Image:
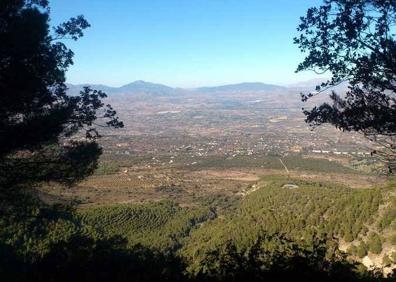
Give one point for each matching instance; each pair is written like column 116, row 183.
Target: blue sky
column 185, row 43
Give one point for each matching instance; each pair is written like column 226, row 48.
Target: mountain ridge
column 244, row 86
column 140, row 87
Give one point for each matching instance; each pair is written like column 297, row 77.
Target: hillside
column 303, row 211
column 285, row 216
column 133, row 88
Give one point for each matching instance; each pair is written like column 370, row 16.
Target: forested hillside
column 304, row 212
column 281, row 220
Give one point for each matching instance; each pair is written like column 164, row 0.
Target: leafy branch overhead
column 354, row 42
column 36, row 114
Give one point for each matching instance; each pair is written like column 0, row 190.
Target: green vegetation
column 30, row 227
column 105, row 168
column 361, row 250
column 334, row 37
column 375, row 244
column 219, row 202
column 288, row 230
column 314, row 210
column 293, row 162
column 161, row 225
column 270, row 230
column 389, row 217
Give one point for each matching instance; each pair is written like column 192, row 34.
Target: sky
column 185, row 43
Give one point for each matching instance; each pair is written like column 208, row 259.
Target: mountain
column 137, row 87
column 310, row 86
column 307, row 84
column 74, row 89
column 242, row 87
column 143, row 87
column 148, row 88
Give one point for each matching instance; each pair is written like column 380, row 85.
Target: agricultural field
column 211, row 177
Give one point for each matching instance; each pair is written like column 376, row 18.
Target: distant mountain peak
column 140, row 82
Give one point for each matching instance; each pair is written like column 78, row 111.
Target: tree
column 375, row 244
column 361, row 250
column 45, row 134
column 348, row 237
column 354, row 42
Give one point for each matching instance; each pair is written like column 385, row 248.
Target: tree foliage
column 39, row 122
column 375, row 244
column 354, row 42
column 275, row 234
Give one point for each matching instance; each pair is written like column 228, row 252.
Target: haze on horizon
column 186, row 43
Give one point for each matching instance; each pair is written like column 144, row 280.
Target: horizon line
column 202, row 86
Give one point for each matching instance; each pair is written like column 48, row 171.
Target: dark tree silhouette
column 44, row 133
column 354, row 41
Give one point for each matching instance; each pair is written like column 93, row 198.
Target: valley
column 204, row 176
column 213, row 160
column 259, row 143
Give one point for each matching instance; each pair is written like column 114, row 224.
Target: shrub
column 375, row 244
